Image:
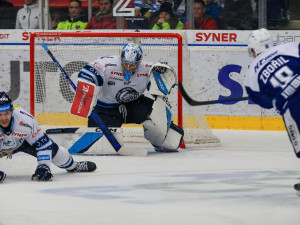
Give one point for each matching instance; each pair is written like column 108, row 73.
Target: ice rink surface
column 247, row 180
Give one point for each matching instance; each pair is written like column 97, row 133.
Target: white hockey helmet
column 131, row 54
column 259, row 40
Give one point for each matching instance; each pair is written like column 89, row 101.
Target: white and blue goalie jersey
column 274, row 77
column 107, row 72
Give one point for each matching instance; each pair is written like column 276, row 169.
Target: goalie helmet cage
column 51, row 95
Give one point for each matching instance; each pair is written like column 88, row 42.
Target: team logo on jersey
column 24, row 124
column 26, row 114
column 33, row 136
column 16, row 134
column 142, row 75
column 6, row 143
column 111, row 83
column 110, row 64
column 96, row 65
column 117, row 73
column 127, row 82
column 115, row 78
column 127, row 94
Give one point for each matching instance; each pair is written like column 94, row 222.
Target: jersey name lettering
column 273, row 65
column 291, row 88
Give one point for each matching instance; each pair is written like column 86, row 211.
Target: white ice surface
column 247, row 180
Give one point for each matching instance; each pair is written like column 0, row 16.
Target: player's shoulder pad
column 22, row 113
column 91, row 74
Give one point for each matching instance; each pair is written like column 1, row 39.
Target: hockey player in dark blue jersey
column 273, row 80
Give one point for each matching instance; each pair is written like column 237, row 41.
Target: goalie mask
column 131, row 56
column 259, row 41
column 5, row 102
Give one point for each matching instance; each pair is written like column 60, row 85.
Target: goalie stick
column 193, row 102
column 113, row 141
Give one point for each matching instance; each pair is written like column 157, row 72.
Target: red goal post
column 73, row 50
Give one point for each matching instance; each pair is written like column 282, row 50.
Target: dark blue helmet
column 5, row 102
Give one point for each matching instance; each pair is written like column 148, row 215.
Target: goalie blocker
column 84, row 100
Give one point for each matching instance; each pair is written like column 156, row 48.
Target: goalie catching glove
column 163, row 78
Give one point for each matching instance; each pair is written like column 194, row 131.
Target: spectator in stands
column 55, row 19
column 202, row 20
column 253, row 5
column 220, row 3
column 5, row 4
column 212, row 9
column 148, row 7
column 105, row 19
column 75, row 21
column 28, row 17
column 165, row 19
column 7, row 15
column 236, row 15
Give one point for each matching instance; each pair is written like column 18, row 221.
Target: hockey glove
column 42, row 173
column 2, row 176
column 163, row 78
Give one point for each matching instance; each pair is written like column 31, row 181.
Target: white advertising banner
column 218, row 61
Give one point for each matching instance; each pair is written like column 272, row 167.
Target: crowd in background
column 148, row 14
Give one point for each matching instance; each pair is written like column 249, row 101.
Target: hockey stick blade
column 193, row 102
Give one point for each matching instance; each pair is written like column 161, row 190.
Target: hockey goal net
column 52, row 95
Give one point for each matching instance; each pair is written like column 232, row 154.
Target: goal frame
column 51, row 35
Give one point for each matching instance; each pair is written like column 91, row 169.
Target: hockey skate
column 85, row 166
column 297, row 188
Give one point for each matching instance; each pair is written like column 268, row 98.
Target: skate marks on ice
column 192, row 187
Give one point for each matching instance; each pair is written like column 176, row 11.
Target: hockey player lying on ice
column 273, row 80
column 122, row 81
column 20, row 132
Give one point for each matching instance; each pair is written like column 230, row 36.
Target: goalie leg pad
column 159, row 128
column 81, row 140
column 84, row 100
